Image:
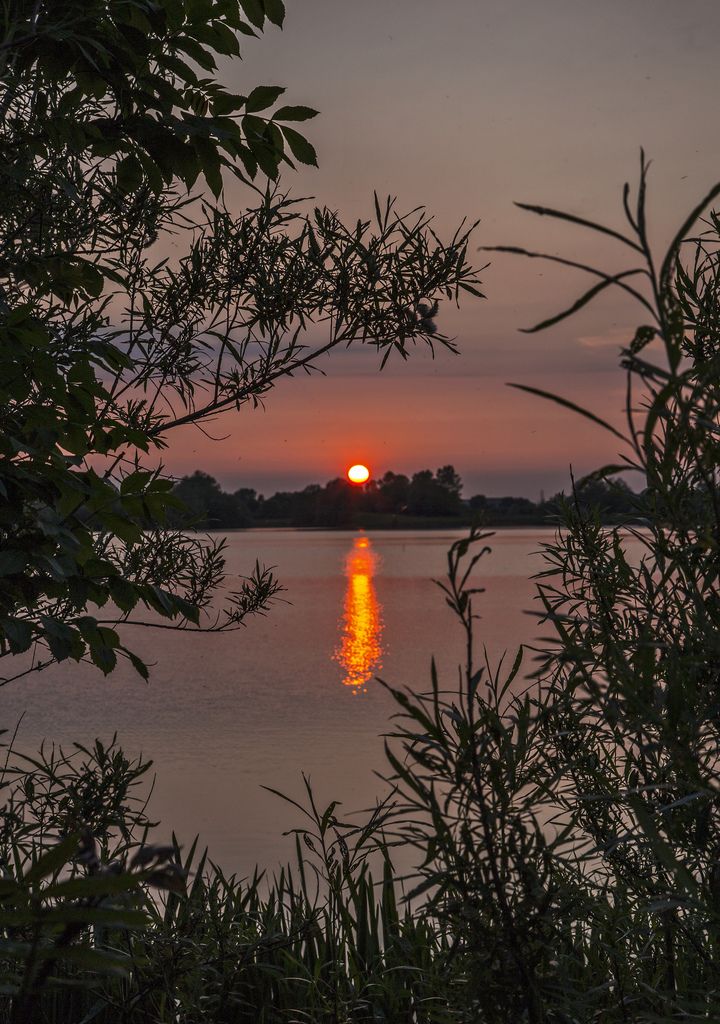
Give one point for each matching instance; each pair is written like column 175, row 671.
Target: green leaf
column 123, row 593
column 262, row 97
column 294, row 114
column 275, row 11
column 94, row 885
column 108, row 917
column 129, row 174
column 161, row 601
column 199, row 10
column 135, row 482
column 138, row 664
column 254, row 12
column 227, row 103
column 12, row 562
column 301, row 149
column 103, row 643
column 63, row 641
column 566, row 404
column 248, row 161
column 196, row 52
column 220, row 37
column 123, row 528
column 545, row 211
column 263, row 144
column 89, row 957
column 190, row 611
column 18, row 632
column 584, row 299
column 51, row 861
column 104, row 657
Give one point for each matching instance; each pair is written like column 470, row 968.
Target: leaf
column 108, row 917
column 612, row 469
column 294, row 114
column 301, row 149
column 262, row 97
column 227, row 103
column 123, row 593
column 224, row 40
column 515, row 250
column 138, row 664
column 267, row 158
column 473, row 291
column 199, row 10
column 588, row 296
column 129, row 174
column 89, row 957
column 51, row 861
column 135, row 482
column 12, row 562
column 661, row 847
column 213, row 176
column 63, row 640
column 275, row 11
column 93, row 885
column 18, row 632
column 254, row 12
column 248, row 161
column 671, row 255
column 569, row 405
column 545, row 211
column 103, row 656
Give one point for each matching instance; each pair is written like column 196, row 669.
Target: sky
column 464, row 107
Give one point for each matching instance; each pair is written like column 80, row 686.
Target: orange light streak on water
column 360, row 647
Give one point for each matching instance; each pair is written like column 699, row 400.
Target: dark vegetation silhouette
column 132, row 305
column 424, row 500
column 566, row 824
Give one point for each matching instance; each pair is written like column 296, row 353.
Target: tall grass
column 566, row 823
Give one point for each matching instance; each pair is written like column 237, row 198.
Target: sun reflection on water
column 360, row 648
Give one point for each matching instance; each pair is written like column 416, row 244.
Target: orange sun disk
column 358, row 474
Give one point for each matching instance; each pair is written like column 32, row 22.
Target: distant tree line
column 425, row 498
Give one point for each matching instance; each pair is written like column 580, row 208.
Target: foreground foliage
column 570, row 834
column 100, row 924
column 567, row 827
column 131, row 306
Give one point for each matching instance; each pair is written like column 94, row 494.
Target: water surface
column 293, row 691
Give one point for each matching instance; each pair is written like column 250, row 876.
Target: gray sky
column 464, row 107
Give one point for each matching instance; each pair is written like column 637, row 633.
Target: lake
column 294, row 691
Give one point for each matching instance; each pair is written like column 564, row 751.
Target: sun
column 358, row 474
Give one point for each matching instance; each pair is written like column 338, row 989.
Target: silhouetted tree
column 249, row 502
column 207, row 506
column 393, row 493
column 449, row 479
column 431, row 496
column 338, row 504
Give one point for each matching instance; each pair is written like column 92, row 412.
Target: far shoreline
column 407, row 525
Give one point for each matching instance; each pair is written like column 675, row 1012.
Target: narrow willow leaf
column 545, row 211
column 588, row 296
column 570, row 405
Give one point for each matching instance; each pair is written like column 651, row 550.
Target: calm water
column 292, row 692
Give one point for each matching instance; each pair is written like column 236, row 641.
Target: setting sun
column 358, row 474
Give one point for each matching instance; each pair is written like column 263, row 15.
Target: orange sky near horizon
column 465, row 107
column 489, row 434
